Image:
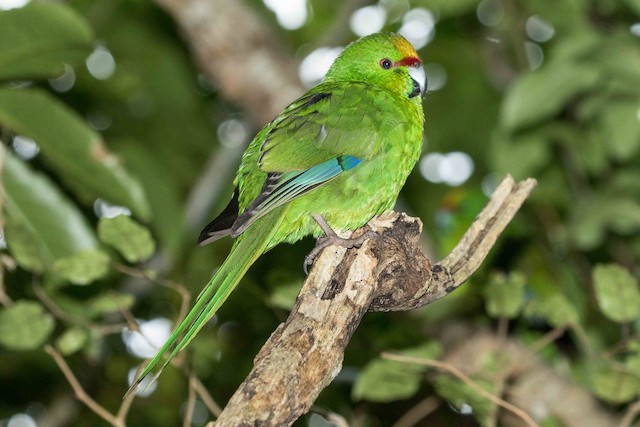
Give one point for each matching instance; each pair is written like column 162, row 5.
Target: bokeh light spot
column 99, row 120
column 368, row 20
column 12, row 4
column 490, row 12
column 233, row 133
column 436, row 76
column 291, row 14
column 25, row 148
column 65, row 82
column 452, row 169
column 534, row 53
column 538, row 29
column 418, row 27
column 100, row 63
column 104, row 209
column 151, row 336
column 490, row 182
column 146, row 386
column 314, row 67
column 21, row 420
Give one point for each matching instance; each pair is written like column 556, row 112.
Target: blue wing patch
column 282, row 188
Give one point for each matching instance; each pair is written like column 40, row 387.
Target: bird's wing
column 335, row 119
column 323, row 134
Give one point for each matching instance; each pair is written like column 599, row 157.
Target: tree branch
column 305, row 353
column 240, row 53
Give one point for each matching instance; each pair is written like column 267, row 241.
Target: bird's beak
column 419, row 78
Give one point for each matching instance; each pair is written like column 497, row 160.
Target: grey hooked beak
column 419, row 78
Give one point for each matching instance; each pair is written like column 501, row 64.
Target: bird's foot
column 331, row 238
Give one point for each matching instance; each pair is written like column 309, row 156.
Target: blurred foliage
column 81, row 147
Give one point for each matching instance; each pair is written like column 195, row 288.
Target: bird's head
column 383, row 59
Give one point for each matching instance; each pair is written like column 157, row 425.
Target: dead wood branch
column 305, row 353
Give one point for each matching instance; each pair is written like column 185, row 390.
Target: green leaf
column 632, row 360
column 619, row 58
column 131, row 239
column 384, row 380
column 25, row 326
column 82, row 268
column 620, row 124
column 545, row 92
column 71, row 148
column 603, row 211
column 42, row 225
column 522, row 155
column 587, row 147
column 37, row 39
column 162, row 191
column 108, row 303
column 556, row 309
column 505, row 295
column 600, row 212
column 387, row 380
column 72, row 340
column 458, row 394
column 617, row 292
column 615, row 384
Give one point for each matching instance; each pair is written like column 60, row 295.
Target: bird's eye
column 385, row 63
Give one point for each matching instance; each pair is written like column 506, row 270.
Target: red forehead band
column 410, row 61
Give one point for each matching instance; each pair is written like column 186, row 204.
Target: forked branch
column 305, row 353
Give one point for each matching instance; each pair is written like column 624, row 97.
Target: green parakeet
column 337, row 156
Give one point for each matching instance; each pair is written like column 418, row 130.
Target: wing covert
column 330, row 122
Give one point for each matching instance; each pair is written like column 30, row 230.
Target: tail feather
column 245, row 251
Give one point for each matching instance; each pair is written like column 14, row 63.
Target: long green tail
column 249, row 246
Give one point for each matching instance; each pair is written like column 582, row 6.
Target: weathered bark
column 387, row 273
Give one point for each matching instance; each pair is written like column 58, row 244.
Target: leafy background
column 112, row 134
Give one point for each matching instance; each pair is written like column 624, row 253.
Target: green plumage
column 342, row 151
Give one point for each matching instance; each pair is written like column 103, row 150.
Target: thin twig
column 419, row 412
column 632, row 412
column 208, row 401
column 538, row 345
column 191, row 402
column 79, row 391
column 619, row 346
column 60, row 314
column 154, row 278
column 503, row 328
column 547, row 339
column 124, row 407
column 132, row 323
column 502, row 360
column 468, row 381
column 583, row 339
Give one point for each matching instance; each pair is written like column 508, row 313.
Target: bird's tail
column 249, row 246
